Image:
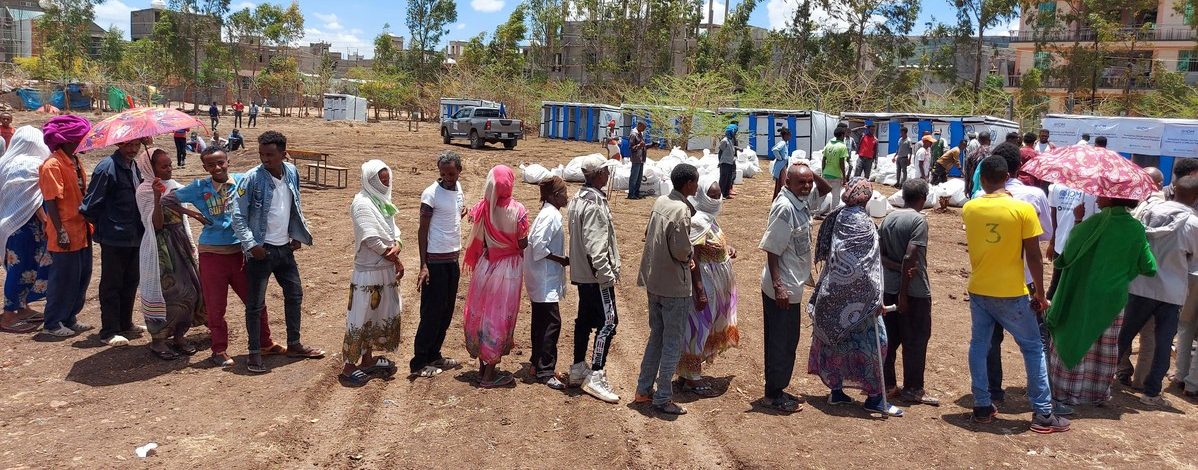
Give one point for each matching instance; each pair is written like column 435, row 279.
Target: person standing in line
column 268, row 219
column 214, row 115
column 787, row 244
column 1172, row 229
column 866, row 154
column 238, row 108
column 902, row 157
column 68, row 235
column 594, row 268
column 973, row 185
column 545, row 265
column 495, row 258
column 999, row 228
column 1100, row 141
column 372, row 320
column 169, row 283
column 1127, row 374
column 442, row 206
column 1043, row 145
column 781, row 156
column 253, row 122
column 711, row 330
column 180, row 137
column 637, row 146
column 836, row 157
column 727, row 158
column 6, row 129
column 1085, row 140
column 903, row 238
column 111, row 206
column 23, row 230
column 612, row 142
column 1062, row 201
column 1186, row 373
column 671, row 279
column 923, row 157
column 1103, row 255
column 221, row 261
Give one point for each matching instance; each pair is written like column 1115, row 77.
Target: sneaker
column 116, row 341
column 1061, row 409
column 80, row 327
column 1157, row 401
column 554, row 383
column 61, row 332
column 1048, row 424
column 984, row 414
column 596, row 385
column 136, row 330
column 578, row 374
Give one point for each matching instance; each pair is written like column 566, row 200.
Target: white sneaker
column 596, row 385
column 578, row 374
column 137, row 330
column 61, row 332
column 116, row 341
column 80, row 327
column 1157, row 401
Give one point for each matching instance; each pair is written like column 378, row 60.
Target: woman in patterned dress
column 22, row 232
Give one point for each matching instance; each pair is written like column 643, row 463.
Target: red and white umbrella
column 1093, row 170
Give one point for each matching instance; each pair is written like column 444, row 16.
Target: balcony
column 1171, row 33
column 1113, row 79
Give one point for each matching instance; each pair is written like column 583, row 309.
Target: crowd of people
column 1120, row 268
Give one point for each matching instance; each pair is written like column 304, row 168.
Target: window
column 1043, row 60
column 1048, row 12
column 486, row 113
column 1189, row 13
column 1187, row 62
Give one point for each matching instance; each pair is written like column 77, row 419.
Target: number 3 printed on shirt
column 994, row 236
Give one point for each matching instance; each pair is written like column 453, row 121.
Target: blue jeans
column 1139, row 310
column 67, row 287
column 280, row 261
column 667, row 331
column 1016, row 316
column 634, row 180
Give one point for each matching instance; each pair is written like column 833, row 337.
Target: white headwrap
column 370, row 204
column 20, row 195
column 706, row 208
column 153, row 306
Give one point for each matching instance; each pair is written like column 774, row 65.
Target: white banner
column 1064, row 132
column 1139, row 136
column 1180, row 140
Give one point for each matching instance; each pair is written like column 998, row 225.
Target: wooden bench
column 318, row 174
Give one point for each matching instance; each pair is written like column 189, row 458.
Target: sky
column 351, row 25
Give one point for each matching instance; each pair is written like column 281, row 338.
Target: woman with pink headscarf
column 496, row 256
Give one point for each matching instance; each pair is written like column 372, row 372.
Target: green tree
column 475, row 55
column 199, row 23
column 976, row 16
column 504, row 49
column 546, row 18
column 386, row 56
column 1031, row 102
column 66, row 27
column 112, row 51
column 428, row 21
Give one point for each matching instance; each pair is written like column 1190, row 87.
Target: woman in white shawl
column 170, row 285
column 22, row 232
column 372, row 321
column 712, row 330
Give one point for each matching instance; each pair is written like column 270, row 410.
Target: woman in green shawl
column 1102, row 256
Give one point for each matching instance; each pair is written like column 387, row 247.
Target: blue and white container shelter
column 1147, row 141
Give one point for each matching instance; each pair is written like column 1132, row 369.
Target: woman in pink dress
column 495, row 255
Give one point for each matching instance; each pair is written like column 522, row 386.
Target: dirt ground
column 77, row 403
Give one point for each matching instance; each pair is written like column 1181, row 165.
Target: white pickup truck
column 482, row 126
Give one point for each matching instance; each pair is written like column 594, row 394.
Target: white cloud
column 717, row 11
column 342, row 40
column 113, row 13
column 460, row 26
column 330, row 21
column 242, row 5
column 1005, row 28
column 487, row 6
column 781, row 14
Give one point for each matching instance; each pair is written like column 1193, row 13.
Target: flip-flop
column 446, row 363
column 357, row 378
column 21, row 327
column 428, row 372
column 274, row 350
column 186, row 348
column 382, row 366
column 503, row 380
column 166, row 355
column 305, row 352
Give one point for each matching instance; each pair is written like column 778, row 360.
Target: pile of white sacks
column 655, row 179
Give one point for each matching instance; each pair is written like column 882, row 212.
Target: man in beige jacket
column 594, row 268
column 674, row 287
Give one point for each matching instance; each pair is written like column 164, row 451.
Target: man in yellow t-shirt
column 1002, row 233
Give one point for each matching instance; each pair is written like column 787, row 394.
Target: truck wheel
column 509, row 144
column 444, row 135
column 475, row 142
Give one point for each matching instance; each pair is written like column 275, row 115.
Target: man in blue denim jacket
column 269, row 223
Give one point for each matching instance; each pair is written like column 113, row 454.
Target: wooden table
column 318, row 168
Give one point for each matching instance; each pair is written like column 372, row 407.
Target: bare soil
column 77, row 403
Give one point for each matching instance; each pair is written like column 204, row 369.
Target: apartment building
column 18, row 30
column 1157, row 37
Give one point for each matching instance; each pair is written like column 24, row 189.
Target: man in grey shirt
column 636, row 144
column 787, row 243
column 902, row 157
column 904, row 243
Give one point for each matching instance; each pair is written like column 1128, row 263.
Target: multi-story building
column 1157, row 37
column 996, row 56
column 18, row 30
column 454, row 50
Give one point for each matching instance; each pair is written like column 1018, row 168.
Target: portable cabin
column 450, row 106
column 886, row 128
column 809, row 130
column 579, row 121
column 338, row 107
column 1146, row 141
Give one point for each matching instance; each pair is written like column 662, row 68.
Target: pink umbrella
column 1093, row 170
column 137, row 123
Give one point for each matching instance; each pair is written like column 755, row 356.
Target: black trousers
column 939, row 174
column 119, row 276
column 280, row 262
column 865, row 167
column 438, row 300
column 253, row 120
column 236, row 119
column 1052, row 285
column 900, row 170
column 911, row 330
column 727, row 176
column 546, row 328
column 596, row 311
column 781, row 343
column 180, row 150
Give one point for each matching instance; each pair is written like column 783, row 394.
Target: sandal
column 357, row 378
column 185, row 348
column 274, row 350
column 21, row 326
column 221, row 360
column 670, row 408
column 427, row 372
column 166, row 354
column 382, row 366
column 446, row 363
column 256, row 368
column 787, row 403
column 502, row 379
column 702, row 389
column 304, row 352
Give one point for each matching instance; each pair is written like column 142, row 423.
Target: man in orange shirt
column 68, row 236
column 6, row 129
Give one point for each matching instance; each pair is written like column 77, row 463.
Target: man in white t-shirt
column 1063, row 200
column 545, row 265
column 442, row 206
column 923, row 157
